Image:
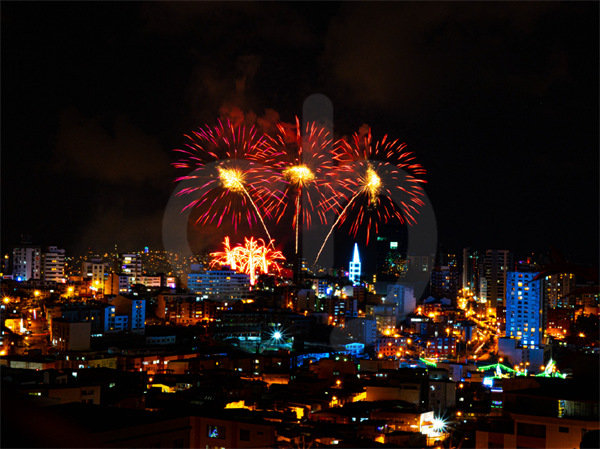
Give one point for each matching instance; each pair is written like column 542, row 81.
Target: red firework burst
column 224, row 159
column 381, row 181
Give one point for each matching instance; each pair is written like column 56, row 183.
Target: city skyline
column 300, row 224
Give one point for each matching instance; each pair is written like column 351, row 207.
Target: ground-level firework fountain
column 252, row 258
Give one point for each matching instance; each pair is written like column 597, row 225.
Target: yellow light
column 581, row 334
column 338, row 382
column 232, row 179
column 299, row 174
column 372, row 184
column 37, row 293
column 6, row 299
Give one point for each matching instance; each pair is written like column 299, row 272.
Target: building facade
column 27, row 263
column 130, row 264
column 404, row 297
column 496, row 265
column 96, row 271
column 220, row 285
column 445, row 282
column 472, row 266
column 53, row 264
column 524, row 309
column 557, row 287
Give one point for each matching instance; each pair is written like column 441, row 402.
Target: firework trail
column 251, row 258
column 224, row 159
column 301, row 172
column 372, row 175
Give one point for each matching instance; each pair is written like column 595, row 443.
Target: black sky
column 499, row 101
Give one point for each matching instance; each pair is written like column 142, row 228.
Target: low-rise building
column 71, row 336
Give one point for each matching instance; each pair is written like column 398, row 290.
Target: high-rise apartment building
column 556, row 290
column 53, row 264
column 524, row 308
column 496, row 265
column 472, row 268
column 354, row 271
column 445, row 282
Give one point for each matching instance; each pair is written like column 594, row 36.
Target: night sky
column 498, row 100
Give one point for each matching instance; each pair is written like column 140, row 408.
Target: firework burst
column 252, row 258
column 381, row 182
column 300, row 176
column 224, row 160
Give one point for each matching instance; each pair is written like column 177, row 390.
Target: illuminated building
column 134, row 309
column 445, row 282
column 560, row 321
column 440, row 347
column 53, row 264
column 472, row 268
column 221, row 285
column 130, row 264
column 524, row 309
column 557, row 286
column 26, row 261
column 354, row 271
column 185, row 309
column 96, row 271
column 150, row 281
column 117, row 283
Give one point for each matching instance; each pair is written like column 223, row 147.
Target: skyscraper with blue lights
column 524, row 314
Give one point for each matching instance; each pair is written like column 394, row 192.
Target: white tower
column 355, row 267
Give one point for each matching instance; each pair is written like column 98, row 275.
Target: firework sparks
column 372, row 185
column 232, row 179
column 224, row 161
column 301, row 173
column 381, row 182
column 252, row 258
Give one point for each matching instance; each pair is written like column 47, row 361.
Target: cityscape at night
column 300, row 225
